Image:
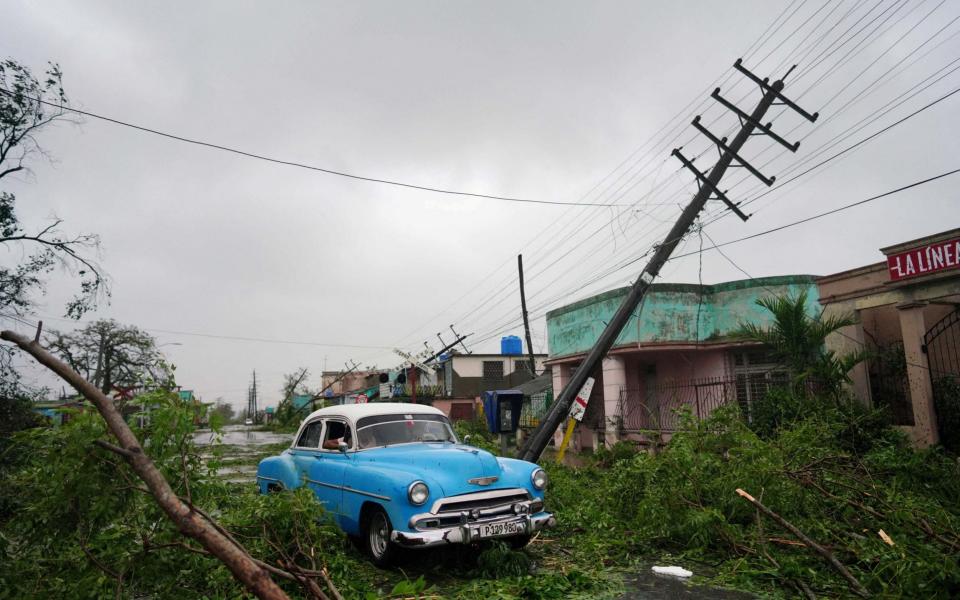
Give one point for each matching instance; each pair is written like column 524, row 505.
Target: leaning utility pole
column 252, row 398
column 535, row 444
column 526, row 319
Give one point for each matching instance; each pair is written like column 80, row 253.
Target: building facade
column 676, row 351
column 462, row 379
column 907, row 309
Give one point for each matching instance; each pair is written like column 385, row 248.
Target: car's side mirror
column 343, row 447
column 466, row 439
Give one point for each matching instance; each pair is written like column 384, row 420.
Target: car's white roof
column 357, row 411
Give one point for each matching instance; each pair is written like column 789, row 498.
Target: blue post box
column 502, row 408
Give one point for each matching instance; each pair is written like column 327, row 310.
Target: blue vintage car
column 395, row 475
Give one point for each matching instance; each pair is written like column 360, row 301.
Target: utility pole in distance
column 536, row 443
column 526, row 320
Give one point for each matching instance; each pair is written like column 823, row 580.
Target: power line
column 773, row 293
column 290, row 163
column 675, row 123
column 220, row 337
column 745, row 238
column 826, row 213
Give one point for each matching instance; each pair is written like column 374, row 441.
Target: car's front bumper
column 468, row 532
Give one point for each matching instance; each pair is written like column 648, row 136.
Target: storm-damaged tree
column 27, row 106
column 294, row 384
column 112, row 356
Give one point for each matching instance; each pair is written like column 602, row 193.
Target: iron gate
column 942, row 346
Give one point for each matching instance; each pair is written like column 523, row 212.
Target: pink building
column 676, row 353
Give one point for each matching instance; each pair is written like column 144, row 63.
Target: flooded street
column 242, row 435
column 241, row 447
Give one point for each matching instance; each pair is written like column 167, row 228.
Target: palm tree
column 797, row 341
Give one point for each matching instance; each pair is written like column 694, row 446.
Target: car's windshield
column 386, row 430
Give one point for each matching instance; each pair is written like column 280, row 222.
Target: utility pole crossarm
column 535, row 444
column 767, row 88
column 703, row 180
column 745, row 118
column 722, row 144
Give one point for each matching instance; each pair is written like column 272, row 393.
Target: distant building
column 462, row 379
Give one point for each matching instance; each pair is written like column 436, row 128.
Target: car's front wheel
column 376, row 538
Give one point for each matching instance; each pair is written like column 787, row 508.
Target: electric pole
column 252, row 398
column 708, row 184
column 526, row 320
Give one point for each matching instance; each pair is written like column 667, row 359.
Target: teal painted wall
column 669, row 312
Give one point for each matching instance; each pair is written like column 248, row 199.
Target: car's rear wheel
column 376, row 538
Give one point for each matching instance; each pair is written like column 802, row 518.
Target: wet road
column 242, row 448
column 242, row 435
column 647, row 585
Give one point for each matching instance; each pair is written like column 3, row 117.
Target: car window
column 386, row 430
column 310, row 438
column 336, row 432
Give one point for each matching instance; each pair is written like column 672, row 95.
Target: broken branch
column 826, row 554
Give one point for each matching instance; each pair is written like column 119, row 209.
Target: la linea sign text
column 924, row 260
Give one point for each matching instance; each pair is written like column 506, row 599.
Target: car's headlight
column 539, row 479
column 418, row 492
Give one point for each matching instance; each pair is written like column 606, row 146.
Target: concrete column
column 614, row 381
column 860, row 374
column 561, row 375
column 912, row 327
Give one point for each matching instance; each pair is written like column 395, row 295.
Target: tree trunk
column 189, row 522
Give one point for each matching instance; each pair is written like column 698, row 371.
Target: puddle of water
column 647, row 585
column 241, row 435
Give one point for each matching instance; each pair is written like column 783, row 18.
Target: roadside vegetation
column 849, row 509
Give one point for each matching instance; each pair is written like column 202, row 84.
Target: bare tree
column 110, row 355
column 27, row 106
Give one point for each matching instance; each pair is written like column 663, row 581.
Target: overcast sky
column 521, row 99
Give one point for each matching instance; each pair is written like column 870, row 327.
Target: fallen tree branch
column 187, row 521
column 826, row 554
column 121, row 451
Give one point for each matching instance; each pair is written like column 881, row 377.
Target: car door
column 305, row 451
column 327, row 471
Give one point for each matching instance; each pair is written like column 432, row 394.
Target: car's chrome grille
column 480, row 500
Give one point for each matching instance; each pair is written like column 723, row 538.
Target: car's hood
column 449, row 465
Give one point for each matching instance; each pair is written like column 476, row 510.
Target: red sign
column 924, row 260
column 362, row 399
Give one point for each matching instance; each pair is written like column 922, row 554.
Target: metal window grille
column 659, row 408
column 492, row 374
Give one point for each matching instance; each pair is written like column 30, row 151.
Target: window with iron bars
column 492, row 374
column 756, row 372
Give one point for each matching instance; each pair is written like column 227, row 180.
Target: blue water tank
column 511, row 345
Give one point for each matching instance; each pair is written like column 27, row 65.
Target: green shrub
column 947, row 395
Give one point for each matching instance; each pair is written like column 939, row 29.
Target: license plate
column 489, row 530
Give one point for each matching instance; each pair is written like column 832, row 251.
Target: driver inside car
column 336, row 433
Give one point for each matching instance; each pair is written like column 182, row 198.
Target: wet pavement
column 647, row 585
column 242, row 447
column 242, row 435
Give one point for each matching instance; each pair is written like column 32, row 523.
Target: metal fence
column 658, row 407
column 535, row 408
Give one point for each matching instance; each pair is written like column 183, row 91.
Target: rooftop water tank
column 511, row 345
